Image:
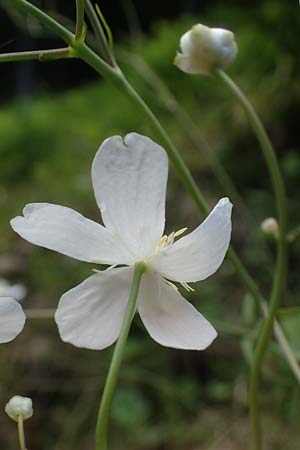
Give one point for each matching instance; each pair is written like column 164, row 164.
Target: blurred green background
column 167, row 399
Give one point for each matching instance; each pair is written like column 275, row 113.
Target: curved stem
column 113, row 373
column 266, row 147
column 281, row 264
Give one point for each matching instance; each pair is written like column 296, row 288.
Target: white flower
column 270, row 226
column 129, row 179
column 12, row 319
column 203, row 49
column 19, row 407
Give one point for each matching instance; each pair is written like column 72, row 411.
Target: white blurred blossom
column 19, row 407
column 202, row 49
column 270, row 226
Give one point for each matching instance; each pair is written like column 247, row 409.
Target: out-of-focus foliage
column 166, row 399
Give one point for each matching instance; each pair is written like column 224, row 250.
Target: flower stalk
column 114, row 370
column 281, row 264
column 101, row 40
column 21, row 433
column 80, row 27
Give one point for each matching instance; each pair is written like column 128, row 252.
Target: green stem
column 79, row 33
column 115, row 76
column 40, row 55
column 266, row 147
column 105, row 49
column 21, row 433
column 281, row 264
column 113, row 373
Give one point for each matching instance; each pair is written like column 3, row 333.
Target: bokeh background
column 53, row 117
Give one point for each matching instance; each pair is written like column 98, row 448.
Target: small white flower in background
column 19, row 407
column 17, row 291
column 203, row 49
column 12, row 319
column 270, row 226
column 129, row 179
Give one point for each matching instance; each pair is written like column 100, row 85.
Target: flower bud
column 270, row 226
column 203, row 48
column 19, row 406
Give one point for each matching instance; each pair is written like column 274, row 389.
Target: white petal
column 12, row 319
column 199, row 254
column 91, row 314
column 170, row 319
column 66, row 231
column 129, row 179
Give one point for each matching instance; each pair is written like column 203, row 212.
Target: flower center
column 167, row 240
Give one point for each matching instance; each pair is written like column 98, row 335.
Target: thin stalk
column 21, row 433
column 116, row 77
column 279, row 280
column 114, row 370
column 40, row 55
column 79, row 33
column 267, row 149
column 104, row 47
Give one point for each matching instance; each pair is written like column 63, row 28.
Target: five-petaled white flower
column 203, row 49
column 12, row 319
column 129, row 179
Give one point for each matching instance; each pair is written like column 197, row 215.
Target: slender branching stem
column 115, row 366
column 281, row 264
column 40, row 55
column 102, row 42
column 79, row 32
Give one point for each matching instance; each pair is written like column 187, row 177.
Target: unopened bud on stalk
column 270, row 226
column 19, row 407
column 203, row 49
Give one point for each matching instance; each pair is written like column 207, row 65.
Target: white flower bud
column 203, row 48
column 19, row 406
column 270, row 226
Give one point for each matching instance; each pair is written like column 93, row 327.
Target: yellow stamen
column 180, row 232
column 167, row 240
column 161, row 243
